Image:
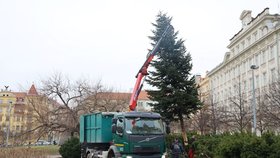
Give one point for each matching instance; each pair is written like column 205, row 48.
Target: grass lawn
column 29, row 152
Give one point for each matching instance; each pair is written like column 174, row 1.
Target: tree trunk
column 184, row 133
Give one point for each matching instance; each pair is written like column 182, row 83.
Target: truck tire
column 89, row 155
column 111, row 155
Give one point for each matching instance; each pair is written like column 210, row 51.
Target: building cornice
column 261, row 17
column 224, row 63
column 248, row 30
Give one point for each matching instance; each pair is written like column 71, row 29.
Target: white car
column 43, row 142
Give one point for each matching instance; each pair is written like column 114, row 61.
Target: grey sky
column 107, row 39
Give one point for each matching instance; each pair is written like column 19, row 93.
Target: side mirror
column 167, row 129
column 114, row 128
column 114, row 120
column 120, row 131
column 166, row 126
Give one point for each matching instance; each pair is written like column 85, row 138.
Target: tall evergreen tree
column 176, row 93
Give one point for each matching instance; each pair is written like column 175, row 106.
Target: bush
column 205, row 145
column 233, row 145
column 71, row 148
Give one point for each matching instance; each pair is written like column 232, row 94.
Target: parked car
column 43, row 142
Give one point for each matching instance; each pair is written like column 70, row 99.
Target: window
column 226, row 94
column 242, row 45
column 272, row 52
column 257, row 81
column 245, row 85
column 250, row 62
column 243, row 66
column 233, row 51
column 140, row 104
column 248, row 41
column 264, row 79
column 250, row 88
column 120, row 124
column 255, row 35
column 264, row 31
column 143, row 126
column 264, row 56
column 7, row 118
column 257, row 59
column 273, row 75
column 237, row 49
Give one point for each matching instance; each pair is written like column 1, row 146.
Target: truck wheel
column 111, row 155
column 89, row 155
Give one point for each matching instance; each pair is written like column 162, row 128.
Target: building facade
column 253, row 56
column 143, row 102
column 19, row 114
column 257, row 43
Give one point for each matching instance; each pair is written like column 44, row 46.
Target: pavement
column 54, row 156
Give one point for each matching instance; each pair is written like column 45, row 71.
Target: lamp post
column 254, row 67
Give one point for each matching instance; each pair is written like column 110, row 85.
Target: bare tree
column 61, row 102
column 106, row 99
column 3, row 135
column 201, row 120
column 218, row 116
column 240, row 111
column 263, row 116
column 69, row 96
column 272, row 108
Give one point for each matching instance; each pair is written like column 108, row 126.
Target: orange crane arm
column 143, row 72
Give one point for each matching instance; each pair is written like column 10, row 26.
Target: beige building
column 15, row 114
column 19, row 115
column 203, row 89
column 143, row 102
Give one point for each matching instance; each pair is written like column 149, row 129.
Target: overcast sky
column 107, row 39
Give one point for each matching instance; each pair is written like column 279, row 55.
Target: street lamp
column 254, row 67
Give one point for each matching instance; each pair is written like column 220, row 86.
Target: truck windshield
column 143, row 126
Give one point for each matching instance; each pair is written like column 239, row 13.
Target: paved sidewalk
column 54, row 156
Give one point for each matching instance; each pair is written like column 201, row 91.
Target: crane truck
column 128, row 134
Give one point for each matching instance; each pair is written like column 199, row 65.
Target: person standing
column 191, row 150
column 176, row 148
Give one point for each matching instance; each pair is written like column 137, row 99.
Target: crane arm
column 143, row 71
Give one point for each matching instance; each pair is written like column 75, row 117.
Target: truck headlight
column 164, row 155
column 128, row 156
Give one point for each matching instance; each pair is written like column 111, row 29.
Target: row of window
column 16, row 118
column 13, row 128
column 258, row 59
column 5, row 101
column 249, row 40
column 246, row 85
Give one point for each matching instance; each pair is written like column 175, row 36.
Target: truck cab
column 138, row 134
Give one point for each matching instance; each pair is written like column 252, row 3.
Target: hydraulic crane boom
column 143, row 71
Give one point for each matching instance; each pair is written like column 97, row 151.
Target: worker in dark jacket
column 177, row 149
